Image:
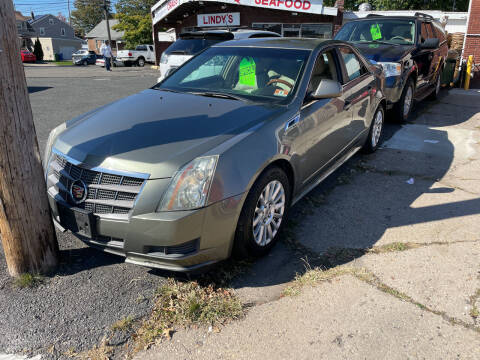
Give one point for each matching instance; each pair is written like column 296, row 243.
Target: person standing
column 106, row 51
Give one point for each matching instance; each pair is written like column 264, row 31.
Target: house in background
column 97, row 36
column 25, row 31
column 56, row 37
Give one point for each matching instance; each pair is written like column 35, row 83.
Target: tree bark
column 26, row 228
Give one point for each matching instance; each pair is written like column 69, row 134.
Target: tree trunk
column 26, row 228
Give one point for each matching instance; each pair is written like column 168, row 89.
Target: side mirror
column 430, row 43
column 327, row 89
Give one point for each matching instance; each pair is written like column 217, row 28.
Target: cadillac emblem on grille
column 78, row 191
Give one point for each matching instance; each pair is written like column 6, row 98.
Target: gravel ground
column 91, row 290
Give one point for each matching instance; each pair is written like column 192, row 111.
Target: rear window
column 190, row 46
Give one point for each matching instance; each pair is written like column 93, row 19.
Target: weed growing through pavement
column 123, row 324
column 474, row 311
column 28, row 280
column 179, row 303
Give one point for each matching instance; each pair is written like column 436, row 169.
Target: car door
column 357, row 91
column 316, row 135
column 424, row 58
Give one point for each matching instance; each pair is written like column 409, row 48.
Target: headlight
column 391, row 69
column 48, row 147
column 190, row 186
column 164, row 58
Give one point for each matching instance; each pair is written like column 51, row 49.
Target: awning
column 164, row 7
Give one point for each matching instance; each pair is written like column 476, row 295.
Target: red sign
column 288, row 4
column 225, row 19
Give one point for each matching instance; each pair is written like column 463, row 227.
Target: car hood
column 156, row 132
column 383, row 52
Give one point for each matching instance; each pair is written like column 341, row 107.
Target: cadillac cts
column 208, row 161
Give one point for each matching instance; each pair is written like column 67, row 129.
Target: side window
column 353, row 65
column 439, row 32
column 426, row 31
column 324, row 68
column 150, row 47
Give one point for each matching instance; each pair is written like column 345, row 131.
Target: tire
column 248, row 241
column 438, row 87
column 375, row 133
column 85, row 63
column 141, row 62
column 401, row 113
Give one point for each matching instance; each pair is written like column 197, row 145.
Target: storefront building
column 290, row 18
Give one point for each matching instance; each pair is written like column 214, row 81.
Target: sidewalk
column 415, row 295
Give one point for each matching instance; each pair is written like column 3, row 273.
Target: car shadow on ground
column 346, row 215
column 34, row 89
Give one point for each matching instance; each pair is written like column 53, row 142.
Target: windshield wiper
column 217, row 95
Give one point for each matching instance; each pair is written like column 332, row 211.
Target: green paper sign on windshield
column 246, row 72
column 375, row 31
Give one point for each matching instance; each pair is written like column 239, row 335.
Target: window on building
column 62, row 31
column 354, row 67
column 42, row 31
column 51, row 21
column 322, row 31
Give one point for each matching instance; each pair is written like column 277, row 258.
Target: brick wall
column 472, row 44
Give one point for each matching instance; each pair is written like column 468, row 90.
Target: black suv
column 411, row 50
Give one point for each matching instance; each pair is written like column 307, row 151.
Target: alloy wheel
column 269, row 213
column 407, row 102
column 377, row 128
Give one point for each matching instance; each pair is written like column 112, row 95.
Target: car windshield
column 190, row 46
column 394, row 31
column 255, row 74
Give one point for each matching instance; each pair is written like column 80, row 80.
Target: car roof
column 280, row 43
column 395, row 17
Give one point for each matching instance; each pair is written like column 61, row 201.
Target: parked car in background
column 27, row 56
column 179, row 175
column 191, row 43
column 411, row 50
column 101, row 61
column 141, row 55
column 84, row 57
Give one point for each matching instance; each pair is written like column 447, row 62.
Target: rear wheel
column 141, row 62
column 263, row 214
column 404, row 105
column 373, row 140
column 436, row 91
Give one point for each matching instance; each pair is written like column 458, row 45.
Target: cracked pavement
column 418, row 244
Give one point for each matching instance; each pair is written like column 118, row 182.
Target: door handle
column 292, row 122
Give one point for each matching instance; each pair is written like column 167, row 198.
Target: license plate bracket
column 77, row 220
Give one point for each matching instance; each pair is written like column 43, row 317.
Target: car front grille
column 107, row 193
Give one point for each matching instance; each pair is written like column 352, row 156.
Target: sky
column 41, row 7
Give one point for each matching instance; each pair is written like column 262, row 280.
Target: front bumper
column 393, row 90
column 176, row 241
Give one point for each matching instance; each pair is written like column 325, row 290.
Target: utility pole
column 105, row 7
column 26, row 228
column 69, row 14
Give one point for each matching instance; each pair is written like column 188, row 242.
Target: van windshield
column 394, row 31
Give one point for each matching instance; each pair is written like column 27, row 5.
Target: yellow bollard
column 469, row 72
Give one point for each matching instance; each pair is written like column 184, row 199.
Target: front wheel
column 373, row 140
column 263, row 214
column 404, row 105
